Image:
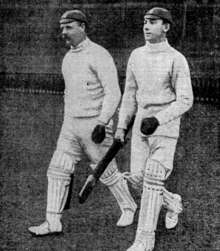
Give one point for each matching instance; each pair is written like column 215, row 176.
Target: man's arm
column 129, row 104
column 183, row 88
column 107, row 73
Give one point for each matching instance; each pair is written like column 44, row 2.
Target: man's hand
column 120, row 135
column 149, row 125
column 98, row 134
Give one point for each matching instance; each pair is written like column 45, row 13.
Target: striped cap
column 71, row 16
column 159, row 13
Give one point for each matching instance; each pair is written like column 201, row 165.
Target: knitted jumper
column 157, row 84
column 91, row 82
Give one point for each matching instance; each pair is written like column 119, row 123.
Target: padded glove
column 149, row 125
column 98, row 134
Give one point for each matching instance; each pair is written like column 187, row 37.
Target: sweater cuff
column 104, row 118
column 160, row 119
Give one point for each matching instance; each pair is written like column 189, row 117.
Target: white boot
column 173, row 203
column 51, row 226
column 137, row 246
column 171, row 220
column 143, row 242
column 126, row 218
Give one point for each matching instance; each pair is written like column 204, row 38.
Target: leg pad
column 59, row 176
column 111, row 174
column 118, row 186
column 151, row 202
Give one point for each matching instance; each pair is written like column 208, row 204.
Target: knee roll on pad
column 63, row 160
column 56, row 173
column 154, row 174
column 111, row 175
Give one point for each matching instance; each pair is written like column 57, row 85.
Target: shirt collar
column 163, row 46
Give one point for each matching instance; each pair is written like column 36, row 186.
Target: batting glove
column 149, row 125
column 98, row 134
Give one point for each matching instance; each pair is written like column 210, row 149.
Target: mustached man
column 91, row 98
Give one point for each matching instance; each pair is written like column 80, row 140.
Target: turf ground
column 30, row 125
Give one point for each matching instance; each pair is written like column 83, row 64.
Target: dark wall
column 32, row 49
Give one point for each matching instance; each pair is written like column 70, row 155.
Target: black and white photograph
column 110, row 125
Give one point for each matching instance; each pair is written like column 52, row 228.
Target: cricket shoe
column 143, row 242
column 139, row 246
column 171, row 219
column 45, row 229
column 126, row 218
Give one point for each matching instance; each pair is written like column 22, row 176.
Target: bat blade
column 93, row 179
column 87, row 188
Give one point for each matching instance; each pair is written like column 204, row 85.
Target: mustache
column 65, row 37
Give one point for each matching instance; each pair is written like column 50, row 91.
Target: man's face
column 154, row 29
column 72, row 33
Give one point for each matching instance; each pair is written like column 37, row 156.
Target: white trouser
column 151, row 164
column 73, row 142
column 158, row 148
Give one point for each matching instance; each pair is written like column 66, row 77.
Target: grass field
column 30, row 125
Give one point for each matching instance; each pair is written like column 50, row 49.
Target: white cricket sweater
column 157, row 84
column 91, row 82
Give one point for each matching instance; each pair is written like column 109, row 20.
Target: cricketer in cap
column 73, row 15
column 73, row 24
column 92, row 96
column 158, row 92
column 159, row 13
column 157, row 22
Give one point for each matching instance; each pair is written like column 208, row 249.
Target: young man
column 158, row 90
column 91, row 98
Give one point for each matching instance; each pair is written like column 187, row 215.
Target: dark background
column 31, row 115
column 32, row 48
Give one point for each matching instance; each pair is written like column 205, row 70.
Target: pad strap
column 122, row 195
column 118, row 186
column 136, row 179
column 62, row 160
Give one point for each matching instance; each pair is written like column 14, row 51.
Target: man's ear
column 83, row 25
column 166, row 27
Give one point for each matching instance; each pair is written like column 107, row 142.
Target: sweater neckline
column 81, row 46
column 157, row 47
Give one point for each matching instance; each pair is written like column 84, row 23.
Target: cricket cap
column 161, row 13
column 73, row 15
